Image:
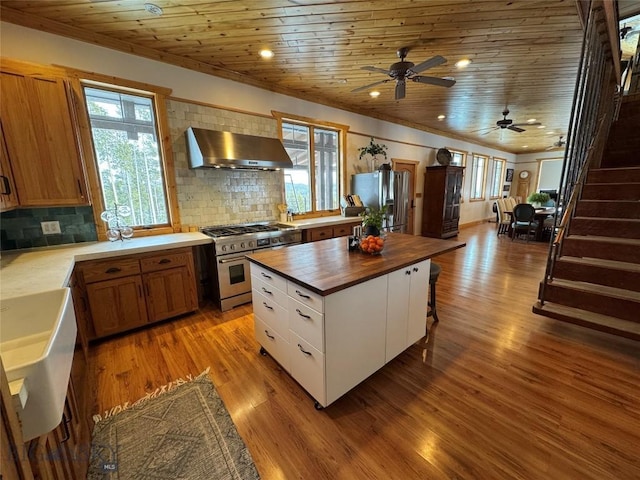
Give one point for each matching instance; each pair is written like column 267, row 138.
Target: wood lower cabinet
column 131, row 291
column 442, row 197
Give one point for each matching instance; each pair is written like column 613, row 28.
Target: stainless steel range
column 232, row 285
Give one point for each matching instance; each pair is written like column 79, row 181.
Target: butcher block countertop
column 327, row 266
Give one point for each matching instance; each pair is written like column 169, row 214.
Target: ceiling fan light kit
column 404, row 70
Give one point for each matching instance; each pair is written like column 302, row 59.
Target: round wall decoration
column 443, row 156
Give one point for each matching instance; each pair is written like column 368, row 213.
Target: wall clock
column 524, row 174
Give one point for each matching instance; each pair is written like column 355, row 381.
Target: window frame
column 79, row 79
column 474, row 172
column 342, row 131
column 494, row 161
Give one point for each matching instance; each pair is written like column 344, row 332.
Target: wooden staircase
column 595, row 281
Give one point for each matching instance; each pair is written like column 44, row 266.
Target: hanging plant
column 373, row 149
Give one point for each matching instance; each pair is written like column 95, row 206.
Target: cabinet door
column 398, row 312
column 169, row 293
column 8, row 196
column 418, row 297
column 41, row 142
column 117, row 305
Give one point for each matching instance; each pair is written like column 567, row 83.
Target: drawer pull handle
column 415, row 269
column 302, row 294
column 65, row 424
column 164, row 260
column 7, row 185
column 407, row 272
column 308, row 317
column 266, row 332
column 304, row 351
column 113, row 270
column 266, row 276
column 267, row 291
column 267, row 306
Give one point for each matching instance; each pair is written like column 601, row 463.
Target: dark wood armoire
column 441, row 204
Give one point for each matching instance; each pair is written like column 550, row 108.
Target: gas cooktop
column 229, row 239
column 229, row 230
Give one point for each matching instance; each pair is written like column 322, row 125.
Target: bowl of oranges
column 372, row 244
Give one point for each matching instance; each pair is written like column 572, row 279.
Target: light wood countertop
column 24, row 272
column 327, row 266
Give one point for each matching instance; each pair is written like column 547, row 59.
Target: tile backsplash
column 210, row 196
column 21, row 228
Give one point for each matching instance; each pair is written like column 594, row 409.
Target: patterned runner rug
column 180, row 431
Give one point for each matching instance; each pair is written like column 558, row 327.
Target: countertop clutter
column 37, row 270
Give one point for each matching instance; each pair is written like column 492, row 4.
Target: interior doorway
column 410, row 166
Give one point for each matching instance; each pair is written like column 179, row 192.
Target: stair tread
column 601, row 262
column 596, row 318
column 604, row 290
column 600, row 238
column 604, row 219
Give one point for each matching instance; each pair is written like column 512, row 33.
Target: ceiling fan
column 403, row 70
column 508, row 123
column 628, row 31
column 559, row 144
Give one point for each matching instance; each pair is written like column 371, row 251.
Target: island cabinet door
column 398, row 312
column 354, row 330
column 418, row 297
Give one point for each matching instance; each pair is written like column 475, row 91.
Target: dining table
column 540, row 215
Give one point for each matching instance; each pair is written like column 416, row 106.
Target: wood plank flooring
column 496, row 393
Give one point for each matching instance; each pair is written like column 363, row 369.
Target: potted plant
column 538, row 199
column 372, row 219
column 373, row 149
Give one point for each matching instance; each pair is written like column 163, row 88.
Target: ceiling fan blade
column 400, row 89
column 533, row 124
column 366, row 87
column 441, row 82
column 369, row 68
column 490, row 130
column 432, row 62
column 515, row 129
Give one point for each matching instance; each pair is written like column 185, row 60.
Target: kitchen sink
column 37, row 341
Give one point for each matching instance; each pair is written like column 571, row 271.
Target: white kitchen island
column 331, row 317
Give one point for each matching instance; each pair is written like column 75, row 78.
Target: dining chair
column 504, row 220
column 523, row 220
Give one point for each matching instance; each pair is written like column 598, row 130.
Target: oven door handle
column 230, row 260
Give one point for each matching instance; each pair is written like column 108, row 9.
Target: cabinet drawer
column 273, row 343
column 274, row 315
column 268, row 277
column 342, row 230
column 110, row 269
column 166, row 260
column 270, row 291
column 321, row 233
column 305, row 296
column 307, row 323
column 307, row 367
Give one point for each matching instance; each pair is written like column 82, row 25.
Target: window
column 128, row 154
column 478, row 165
column 313, row 184
column 458, row 159
column 496, row 171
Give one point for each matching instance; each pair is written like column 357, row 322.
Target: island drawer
column 270, row 291
column 271, row 313
column 307, row 367
column 307, row 323
column 268, row 277
column 109, row 269
column 273, row 343
column 306, row 296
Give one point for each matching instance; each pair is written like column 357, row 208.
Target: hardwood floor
column 496, row 393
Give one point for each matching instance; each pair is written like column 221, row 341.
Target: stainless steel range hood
column 215, row 149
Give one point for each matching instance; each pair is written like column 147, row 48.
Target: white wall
column 405, row 143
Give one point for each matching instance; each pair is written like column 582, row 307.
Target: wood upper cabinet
column 40, row 135
column 8, row 197
column 131, row 291
column 442, row 197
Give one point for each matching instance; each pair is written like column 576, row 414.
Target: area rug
column 181, row 431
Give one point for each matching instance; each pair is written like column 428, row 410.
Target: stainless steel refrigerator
column 385, row 189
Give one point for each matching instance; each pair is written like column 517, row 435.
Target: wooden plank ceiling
column 524, row 53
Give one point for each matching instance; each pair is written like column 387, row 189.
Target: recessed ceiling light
column 266, row 53
column 153, row 9
column 550, row 132
column 374, row 94
column 541, row 126
column 441, row 117
column 525, row 146
column 463, row 63
column 531, row 120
